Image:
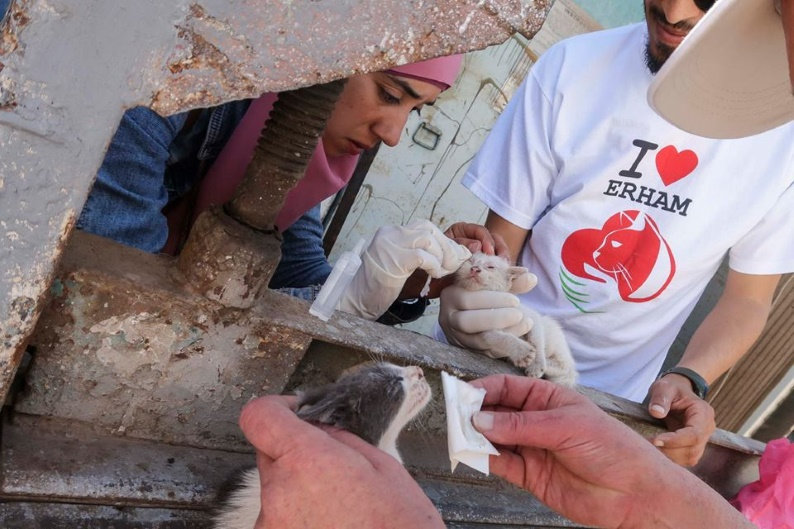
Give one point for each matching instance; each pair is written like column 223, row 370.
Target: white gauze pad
column 465, row 444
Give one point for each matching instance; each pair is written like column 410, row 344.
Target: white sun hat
column 729, row 78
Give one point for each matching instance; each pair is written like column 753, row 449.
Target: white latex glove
column 393, row 255
column 464, row 315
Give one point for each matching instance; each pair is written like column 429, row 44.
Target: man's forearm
column 677, row 499
column 723, row 337
column 732, row 326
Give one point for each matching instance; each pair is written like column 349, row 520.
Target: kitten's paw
column 530, row 366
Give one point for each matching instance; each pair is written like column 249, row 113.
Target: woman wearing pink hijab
column 372, row 108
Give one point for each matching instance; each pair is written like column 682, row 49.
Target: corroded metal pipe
column 230, row 257
column 296, row 123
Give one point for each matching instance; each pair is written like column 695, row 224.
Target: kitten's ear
column 521, row 280
column 315, row 406
column 326, row 411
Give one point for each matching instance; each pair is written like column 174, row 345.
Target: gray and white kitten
column 543, row 352
column 374, row 401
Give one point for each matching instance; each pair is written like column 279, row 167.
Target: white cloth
column 465, row 444
column 630, row 217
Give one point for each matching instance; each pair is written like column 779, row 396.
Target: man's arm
column 732, row 326
column 587, row 465
column 721, row 339
column 512, row 235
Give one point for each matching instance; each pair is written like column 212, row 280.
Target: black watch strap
column 699, row 385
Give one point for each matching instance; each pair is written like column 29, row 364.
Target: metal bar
column 282, row 153
column 347, row 199
column 31, row 515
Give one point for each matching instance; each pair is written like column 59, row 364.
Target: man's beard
column 655, row 63
column 663, row 51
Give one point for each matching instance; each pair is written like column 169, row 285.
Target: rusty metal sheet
column 60, row 460
column 66, row 460
column 68, row 69
column 125, row 346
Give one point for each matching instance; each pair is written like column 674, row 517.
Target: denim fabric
column 3, row 8
column 152, row 160
column 305, row 293
column 129, row 193
column 303, row 260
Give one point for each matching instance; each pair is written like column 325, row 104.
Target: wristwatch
column 699, row 385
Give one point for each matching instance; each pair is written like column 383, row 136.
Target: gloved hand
column 393, row 255
column 464, row 315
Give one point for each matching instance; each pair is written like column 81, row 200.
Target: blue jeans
column 152, row 160
column 303, row 261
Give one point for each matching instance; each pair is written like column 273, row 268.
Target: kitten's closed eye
column 364, row 400
column 488, row 272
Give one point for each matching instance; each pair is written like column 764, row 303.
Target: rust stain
column 16, row 20
column 202, row 55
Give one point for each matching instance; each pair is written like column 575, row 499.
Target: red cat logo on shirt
column 628, row 249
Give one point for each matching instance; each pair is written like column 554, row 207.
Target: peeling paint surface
column 136, row 367
column 122, row 346
column 145, row 359
column 342, row 38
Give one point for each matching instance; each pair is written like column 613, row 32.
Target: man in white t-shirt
column 624, row 218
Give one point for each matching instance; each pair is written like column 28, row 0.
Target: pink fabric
column 441, row 71
column 324, row 175
column 769, row 502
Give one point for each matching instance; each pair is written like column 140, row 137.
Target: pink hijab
column 325, row 175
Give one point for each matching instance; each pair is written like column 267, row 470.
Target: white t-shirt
column 630, row 216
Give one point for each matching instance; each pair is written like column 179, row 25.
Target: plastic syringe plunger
column 341, row 275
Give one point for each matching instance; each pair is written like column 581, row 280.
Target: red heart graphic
column 673, row 165
column 629, row 249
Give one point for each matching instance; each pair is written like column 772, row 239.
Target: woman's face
column 374, row 107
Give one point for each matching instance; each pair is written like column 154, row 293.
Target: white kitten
column 543, row 352
column 374, row 401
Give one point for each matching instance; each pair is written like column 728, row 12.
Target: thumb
column 270, row 424
column 524, row 283
column 428, row 262
column 516, row 428
column 659, row 401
